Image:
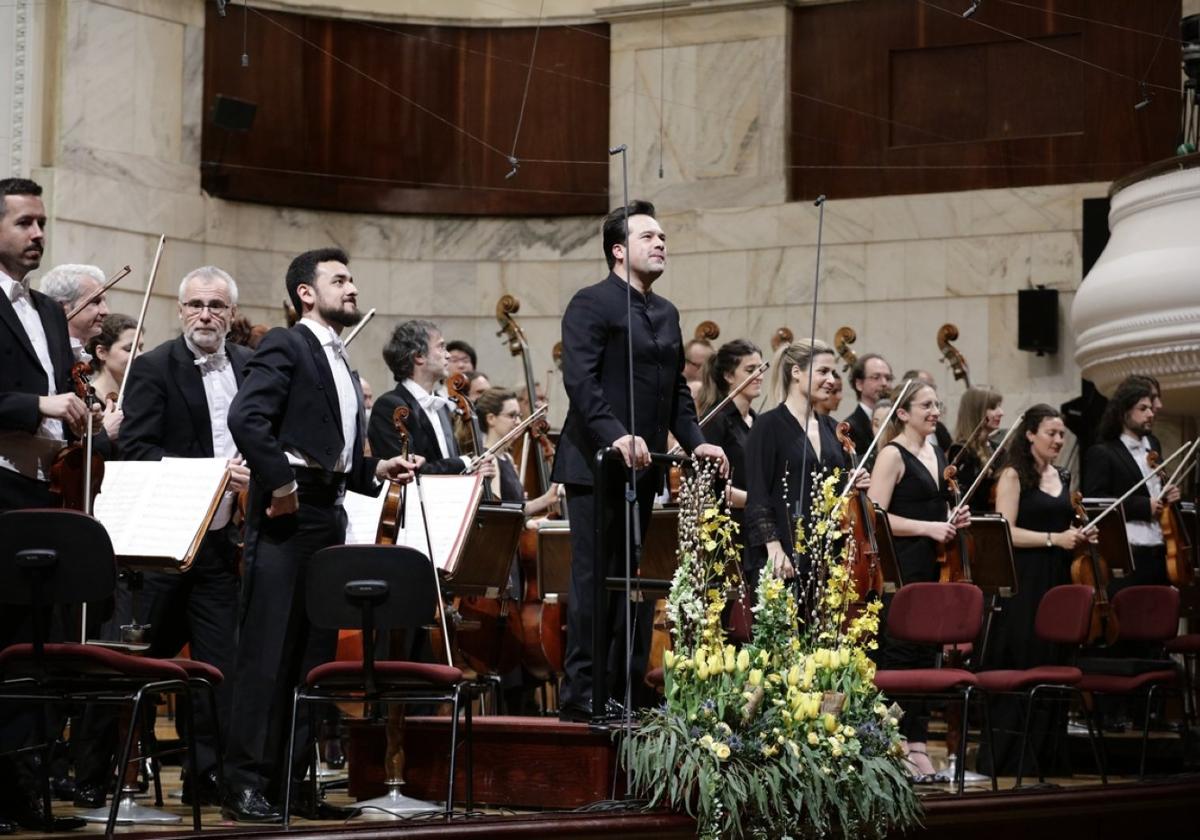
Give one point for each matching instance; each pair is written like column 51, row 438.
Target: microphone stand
column 803, row 588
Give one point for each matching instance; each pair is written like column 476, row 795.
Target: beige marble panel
column 97, row 91
column 455, row 285
column 765, row 280
column 157, row 88
column 1056, row 259
column 686, row 282
column 534, row 284
column 574, row 275
column 727, row 278
column 192, row 96
column 739, row 24
column 987, row 265
column 885, row 271
column 843, row 273
column 189, row 12
column 737, row 228
column 924, row 269
column 410, row 289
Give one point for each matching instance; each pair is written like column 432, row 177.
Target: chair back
column 1064, row 615
column 1147, row 613
column 54, row 556
column 936, row 613
column 396, row 580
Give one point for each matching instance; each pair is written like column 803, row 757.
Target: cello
column 842, row 339
column 1089, row 568
column 863, row 556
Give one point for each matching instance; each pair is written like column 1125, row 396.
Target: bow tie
column 213, row 361
column 19, row 290
column 435, row 402
column 339, row 348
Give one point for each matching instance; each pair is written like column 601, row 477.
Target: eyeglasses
column 512, row 415
column 216, row 307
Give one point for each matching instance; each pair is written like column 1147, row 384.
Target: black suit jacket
column 166, row 408
column 288, row 400
column 1109, row 470
column 22, row 378
column 860, row 429
column 595, row 375
column 421, row 435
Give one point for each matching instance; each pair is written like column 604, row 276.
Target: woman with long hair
column 1034, row 495
column 786, row 445
column 908, row 483
column 979, row 416
column 729, row 429
column 111, row 350
column 499, row 412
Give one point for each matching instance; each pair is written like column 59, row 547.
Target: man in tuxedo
column 416, row 355
column 38, row 409
column 177, row 405
column 596, row 377
column 68, row 284
column 1119, row 461
column 871, row 379
column 298, row 420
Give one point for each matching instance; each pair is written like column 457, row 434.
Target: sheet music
column 156, row 508
column 362, row 515
column 450, row 505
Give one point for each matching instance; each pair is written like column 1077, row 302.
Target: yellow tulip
column 831, row 723
column 668, row 659
column 756, row 677
column 793, row 677
column 743, row 660
column 702, row 671
column 730, row 659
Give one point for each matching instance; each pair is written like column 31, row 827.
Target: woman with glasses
column 907, row 482
column 499, row 412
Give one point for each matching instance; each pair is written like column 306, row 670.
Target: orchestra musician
column 38, row 410
column 596, row 378
column 941, row 435
column 461, row 357
column 979, row 416
column 67, row 284
column 298, row 420
column 908, row 483
column 499, row 412
column 833, row 401
column 1034, row 495
column 786, row 446
column 177, row 405
column 1119, row 461
column 695, row 353
column 871, row 379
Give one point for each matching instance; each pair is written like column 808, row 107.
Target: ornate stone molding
column 19, row 80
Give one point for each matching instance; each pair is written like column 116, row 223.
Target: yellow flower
column 756, row 677
column 668, row 659
column 831, row 723
column 730, row 659
column 813, row 739
column 793, row 677
column 722, row 751
column 743, row 660
column 702, row 671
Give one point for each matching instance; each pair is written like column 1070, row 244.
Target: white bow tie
column 435, row 402
column 213, row 361
column 339, row 348
column 19, row 290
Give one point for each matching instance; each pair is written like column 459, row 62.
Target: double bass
column 947, row 334
column 506, row 307
column 842, row 339
column 865, row 570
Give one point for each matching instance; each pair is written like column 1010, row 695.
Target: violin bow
column 141, row 321
column 716, row 409
column 882, row 428
column 366, row 319
column 512, row 435
column 1116, row 504
column 966, row 497
column 970, row 438
column 84, row 302
column 1187, row 459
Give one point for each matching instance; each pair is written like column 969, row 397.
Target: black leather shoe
column 89, row 795
column 209, row 790
column 574, row 713
column 62, row 788
column 248, row 805
column 302, row 806
column 7, row 827
column 25, row 810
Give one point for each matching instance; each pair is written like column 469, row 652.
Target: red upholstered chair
column 1144, row 614
column 936, row 614
column 1188, row 647
column 379, row 587
column 53, row 557
column 1063, row 617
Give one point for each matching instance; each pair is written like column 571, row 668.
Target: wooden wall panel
column 359, row 116
column 894, row 96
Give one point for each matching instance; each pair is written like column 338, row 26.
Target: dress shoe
column 574, row 713
column 335, row 756
column 25, row 809
column 89, row 795
column 7, row 827
column 62, row 788
column 303, row 806
column 208, row 789
column 248, row 805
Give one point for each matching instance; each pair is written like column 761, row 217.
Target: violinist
column 416, row 355
column 67, row 284
column 695, row 354
column 831, row 403
column 499, row 412
column 1034, row 496
column 940, row 435
column 110, row 352
column 908, row 483
column 477, row 383
column 300, row 471
column 38, row 409
column 785, row 447
column 461, row 357
column 177, row 406
column 871, row 379
column 733, row 362
column 979, row 416
column 1120, row 460
column 540, row 398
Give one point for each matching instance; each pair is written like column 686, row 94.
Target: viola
column 955, row 556
column 946, row 334
column 391, row 520
column 457, row 385
column 1180, row 570
column 863, row 559
column 77, row 472
column 1089, row 568
column 842, row 339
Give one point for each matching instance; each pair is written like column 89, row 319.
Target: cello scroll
column 946, row 334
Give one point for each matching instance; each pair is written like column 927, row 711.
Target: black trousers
column 1150, row 569
column 585, row 566
column 276, row 644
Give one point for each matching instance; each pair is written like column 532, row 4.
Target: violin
column 392, row 518
column 863, row 560
column 946, row 334
column 1089, row 568
column 456, row 389
column 77, row 472
column 782, row 336
column 1180, row 570
column 955, row 556
column 842, row 339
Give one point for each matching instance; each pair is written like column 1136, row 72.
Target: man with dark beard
column 299, row 422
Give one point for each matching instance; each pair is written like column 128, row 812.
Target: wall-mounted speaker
column 233, row 114
column 1037, row 320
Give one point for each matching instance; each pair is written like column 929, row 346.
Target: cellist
column 1034, row 496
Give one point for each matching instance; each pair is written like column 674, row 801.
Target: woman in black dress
column 908, row 483
column 499, row 412
column 979, row 416
column 729, row 429
column 781, row 456
column 1034, row 496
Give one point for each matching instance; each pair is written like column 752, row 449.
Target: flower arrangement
column 788, row 736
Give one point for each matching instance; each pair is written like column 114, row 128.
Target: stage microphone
column 1146, row 97
column 221, row 7
column 616, row 150
column 820, row 200
column 973, row 8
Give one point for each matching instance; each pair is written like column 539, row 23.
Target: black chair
column 55, row 557
column 377, row 587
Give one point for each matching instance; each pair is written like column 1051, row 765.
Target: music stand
column 484, row 566
column 992, row 567
column 554, row 560
column 892, row 579
column 1113, row 541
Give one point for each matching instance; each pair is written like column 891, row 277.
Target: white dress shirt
column 220, row 387
column 20, row 452
column 339, row 363
column 1143, row 533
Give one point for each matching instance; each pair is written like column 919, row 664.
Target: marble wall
column 122, row 167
